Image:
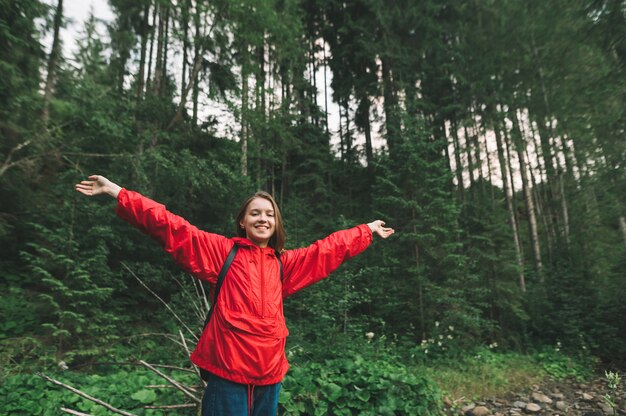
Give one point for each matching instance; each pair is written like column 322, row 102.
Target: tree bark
column 528, row 198
column 457, row 158
column 362, row 119
column 244, row 112
column 468, row 151
column 145, row 27
column 197, row 41
column 508, row 195
column 392, row 120
column 53, row 62
column 185, row 23
column 151, row 52
column 158, row 66
column 622, row 227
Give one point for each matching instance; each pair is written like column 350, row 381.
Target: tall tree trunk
column 622, row 227
column 454, row 131
column 470, row 163
column 362, row 120
column 145, row 27
column 196, row 42
column 158, row 66
column 508, row 195
column 260, row 108
column 53, row 62
column 185, row 23
column 528, row 198
column 197, row 65
column 166, row 40
column 342, row 139
column 151, row 52
column 539, row 207
column 420, row 287
column 390, row 105
column 244, row 112
column 325, row 89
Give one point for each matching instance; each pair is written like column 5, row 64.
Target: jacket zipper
column 262, row 274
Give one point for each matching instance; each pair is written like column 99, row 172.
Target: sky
column 76, row 12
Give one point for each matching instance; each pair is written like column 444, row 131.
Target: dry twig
column 74, row 412
column 182, row 337
column 171, row 406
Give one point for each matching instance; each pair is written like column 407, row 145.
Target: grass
column 486, row 374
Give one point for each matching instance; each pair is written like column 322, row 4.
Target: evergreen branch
column 85, row 395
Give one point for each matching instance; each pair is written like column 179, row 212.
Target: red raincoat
column 245, row 339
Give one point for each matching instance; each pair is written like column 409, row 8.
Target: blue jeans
column 225, row 398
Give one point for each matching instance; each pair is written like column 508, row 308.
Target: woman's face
column 259, row 222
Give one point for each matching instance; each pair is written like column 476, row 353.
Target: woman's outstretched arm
column 98, row 185
column 304, row 266
column 198, row 252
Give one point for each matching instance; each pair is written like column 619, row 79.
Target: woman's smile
column 259, row 222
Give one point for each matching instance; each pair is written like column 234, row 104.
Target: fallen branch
column 184, row 389
column 173, row 367
column 85, row 395
column 162, row 301
column 74, row 412
column 171, row 406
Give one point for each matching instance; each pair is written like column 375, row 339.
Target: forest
column 489, row 134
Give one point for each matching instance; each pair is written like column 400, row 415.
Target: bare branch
column 182, row 337
column 204, row 297
column 74, row 412
column 172, row 406
column 173, row 367
column 179, row 386
column 162, row 301
column 94, row 154
column 85, row 395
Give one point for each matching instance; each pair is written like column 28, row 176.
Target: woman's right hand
column 97, row 185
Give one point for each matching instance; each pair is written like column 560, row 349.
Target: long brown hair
column 277, row 240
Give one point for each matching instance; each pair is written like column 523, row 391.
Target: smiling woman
column 260, row 221
column 242, row 348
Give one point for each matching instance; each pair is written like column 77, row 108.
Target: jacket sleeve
column 197, row 252
column 304, row 266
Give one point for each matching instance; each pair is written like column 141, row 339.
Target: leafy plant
column 356, row 385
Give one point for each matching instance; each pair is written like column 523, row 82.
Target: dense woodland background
column 489, row 134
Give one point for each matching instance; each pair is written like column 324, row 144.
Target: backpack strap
column 220, row 280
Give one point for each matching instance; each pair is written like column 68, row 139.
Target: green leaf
column 332, row 391
column 144, row 396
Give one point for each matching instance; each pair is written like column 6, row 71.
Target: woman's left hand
column 378, row 227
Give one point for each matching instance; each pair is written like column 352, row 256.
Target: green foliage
column 356, row 385
column 29, row 394
column 433, row 78
column 559, row 365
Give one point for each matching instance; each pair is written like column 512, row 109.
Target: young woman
column 243, row 346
